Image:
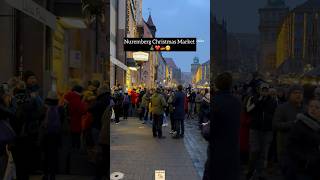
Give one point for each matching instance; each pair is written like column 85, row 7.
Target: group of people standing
column 160, row 104
column 32, row 128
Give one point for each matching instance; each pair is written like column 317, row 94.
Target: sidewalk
column 137, row 154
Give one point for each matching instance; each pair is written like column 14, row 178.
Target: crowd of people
column 32, row 127
column 158, row 105
column 278, row 127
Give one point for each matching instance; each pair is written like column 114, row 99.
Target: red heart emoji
column 157, row 47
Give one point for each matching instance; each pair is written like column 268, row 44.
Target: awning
column 118, row 63
column 34, row 10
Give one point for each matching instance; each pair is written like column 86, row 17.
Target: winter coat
column 97, row 109
column 77, row 109
column 158, row 104
column 283, row 121
column 224, row 140
column 28, row 114
column 178, row 105
column 261, row 110
column 145, row 101
column 134, row 97
column 304, row 146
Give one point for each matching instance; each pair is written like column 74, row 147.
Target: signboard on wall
column 75, row 59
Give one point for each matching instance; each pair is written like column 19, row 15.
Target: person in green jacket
column 158, row 105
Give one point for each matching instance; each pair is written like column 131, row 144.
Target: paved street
column 137, row 154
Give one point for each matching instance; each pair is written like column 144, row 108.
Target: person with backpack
column 125, row 105
column 51, row 135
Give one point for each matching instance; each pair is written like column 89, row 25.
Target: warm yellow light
column 140, row 56
column 133, row 68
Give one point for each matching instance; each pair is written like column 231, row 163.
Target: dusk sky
column 242, row 16
column 182, row 18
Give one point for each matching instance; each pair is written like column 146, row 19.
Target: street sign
column 160, row 175
column 34, row 10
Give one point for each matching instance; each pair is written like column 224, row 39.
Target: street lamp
column 140, row 57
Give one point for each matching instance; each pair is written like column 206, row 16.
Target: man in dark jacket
column 261, row 107
column 223, row 161
column 178, row 112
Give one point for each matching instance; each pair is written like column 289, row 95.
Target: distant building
column 195, row 65
column 219, row 58
column 186, row 78
column 202, row 75
column 243, row 51
column 298, row 44
column 271, row 18
column 174, row 72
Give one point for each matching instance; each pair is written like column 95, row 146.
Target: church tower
column 151, row 26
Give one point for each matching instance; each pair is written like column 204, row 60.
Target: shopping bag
column 165, row 120
column 10, row 173
column 113, row 116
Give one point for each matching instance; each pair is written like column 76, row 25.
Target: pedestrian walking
column 125, row 105
column 223, row 160
column 171, row 112
column 158, row 105
column 145, row 106
column 178, row 112
column 283, row 121
column 204, row 109
column 118, row 99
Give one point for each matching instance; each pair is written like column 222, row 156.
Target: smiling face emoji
column 168, row 48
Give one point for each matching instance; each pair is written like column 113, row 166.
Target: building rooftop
column 171, row 63
column 310, row 4
column 150, row 22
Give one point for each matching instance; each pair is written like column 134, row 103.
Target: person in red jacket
column 76, row 108
column 134, row 98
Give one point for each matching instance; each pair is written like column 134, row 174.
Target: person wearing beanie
column 76, row 109
column 283, row 121
column 223, row 160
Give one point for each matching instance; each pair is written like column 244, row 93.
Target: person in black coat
column 261, row 108
column 224, row 145
column 303, row 145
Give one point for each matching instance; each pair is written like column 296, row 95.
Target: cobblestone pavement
column 137, row 154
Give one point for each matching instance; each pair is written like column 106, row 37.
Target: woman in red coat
column 76, row 109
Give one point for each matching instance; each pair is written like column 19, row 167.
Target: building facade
column 298, row 48
column 271, row 18
column 219, row 51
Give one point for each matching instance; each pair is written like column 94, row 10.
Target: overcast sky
column 242, row 15
column 182, row 18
